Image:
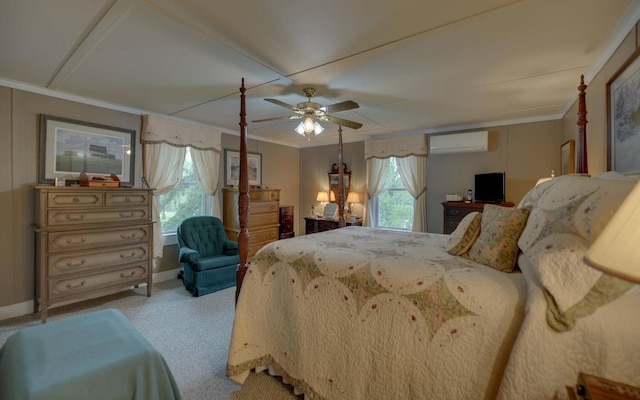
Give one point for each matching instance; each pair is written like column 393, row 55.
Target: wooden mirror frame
column 334, row 175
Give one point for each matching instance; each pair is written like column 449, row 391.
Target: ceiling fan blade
column 277, row 118
column 343, row 122
column 282, row 104
column 343, row 106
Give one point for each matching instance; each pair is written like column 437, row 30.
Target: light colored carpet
column 192, row 334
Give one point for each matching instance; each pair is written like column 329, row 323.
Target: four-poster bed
column 365, row 313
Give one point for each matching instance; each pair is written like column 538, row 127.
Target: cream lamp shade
column 616, row 251
column 353, row 197
column 322, row 197
column 333, row 196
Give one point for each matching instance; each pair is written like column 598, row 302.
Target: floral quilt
column 364, row 313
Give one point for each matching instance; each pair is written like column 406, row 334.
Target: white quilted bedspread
column 363, row 313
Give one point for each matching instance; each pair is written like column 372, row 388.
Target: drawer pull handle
column 71, row 286
column 82, row 262
column 125, row 236
column 127, row 200
column 130, row 214
column 122, row 255
column 76, row 199
column 129, row 275
column 81, row 241
column 80, row 218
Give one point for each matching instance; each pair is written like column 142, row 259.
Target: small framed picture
column 232, row 168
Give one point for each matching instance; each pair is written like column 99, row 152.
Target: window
column 394, row 204
column 185, row 200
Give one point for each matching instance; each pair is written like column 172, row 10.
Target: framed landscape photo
column 567, row 157
column 232, row 168
column 623, row 118
column 69, row 147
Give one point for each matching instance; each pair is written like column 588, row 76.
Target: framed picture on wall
column 567, row 157
column 232, row 168
column 623, row 121
column 69, row 147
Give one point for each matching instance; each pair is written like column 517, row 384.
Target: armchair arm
column 188, row 255
column 230, row 248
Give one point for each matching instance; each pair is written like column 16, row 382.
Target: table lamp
column 615, row 251
column 353, row 197
column 322, row 197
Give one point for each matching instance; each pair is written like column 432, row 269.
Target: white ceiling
column 414, row 66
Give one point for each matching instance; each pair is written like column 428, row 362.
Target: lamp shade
column 333, row 196
column 615, row 251
column 322, row 196
column 353, row 197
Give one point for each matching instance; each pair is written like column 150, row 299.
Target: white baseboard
column 20, row 309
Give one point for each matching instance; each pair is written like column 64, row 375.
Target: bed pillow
column 463, row 237
column 497, row 245
column 568, row 214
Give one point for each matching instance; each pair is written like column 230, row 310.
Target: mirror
column 334, row 177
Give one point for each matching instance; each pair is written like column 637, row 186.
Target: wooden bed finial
column 243, row 196
column 581, row 164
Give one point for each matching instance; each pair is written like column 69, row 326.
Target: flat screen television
column 490, row 187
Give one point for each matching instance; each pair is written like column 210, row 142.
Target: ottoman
column 93, row 356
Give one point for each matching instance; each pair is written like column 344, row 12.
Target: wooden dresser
column 314, row 224
column 286, row 222
column 90, row 242
column 264, row 217
column 455, row 211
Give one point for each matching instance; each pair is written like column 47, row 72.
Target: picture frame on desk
column 70, row 147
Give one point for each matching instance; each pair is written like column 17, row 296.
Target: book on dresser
column 90, row 242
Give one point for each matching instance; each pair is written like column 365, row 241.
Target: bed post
column 243, row 197
column 341, row 221
column 581, row 165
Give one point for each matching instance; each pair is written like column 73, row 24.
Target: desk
column 97, row 356
column 314, row 224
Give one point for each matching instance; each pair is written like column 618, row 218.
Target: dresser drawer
column 127, row 199
column 86, row 216
column 92, row 199
column 67, row 263
column 263, row 219
column 68, row 286
column 264, row 235
column 264, row 207
column 262, row 195
column 459, row 211
column 72, row 240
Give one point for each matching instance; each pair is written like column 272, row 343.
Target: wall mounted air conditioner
column 467, row 142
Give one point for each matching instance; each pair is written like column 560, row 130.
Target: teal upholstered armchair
column 207, row 255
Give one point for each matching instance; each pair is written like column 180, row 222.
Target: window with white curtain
column 185, row 200
column 394, row 205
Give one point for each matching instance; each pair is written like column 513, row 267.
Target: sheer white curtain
column 376, row 177
column 164, row 143
column 411, row 155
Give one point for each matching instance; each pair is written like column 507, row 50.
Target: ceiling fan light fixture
column 309, row 126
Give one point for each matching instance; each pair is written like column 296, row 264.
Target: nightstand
column 591, row 387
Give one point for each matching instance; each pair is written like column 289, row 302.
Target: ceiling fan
column 314, row 112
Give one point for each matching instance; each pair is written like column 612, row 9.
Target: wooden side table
column 315, row 224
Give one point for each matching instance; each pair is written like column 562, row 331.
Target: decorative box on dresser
column 264, row 217
column 286, row 222
column 455, row 211
column 90, row 242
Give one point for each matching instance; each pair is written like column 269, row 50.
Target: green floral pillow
column 497, row 245
column 463, row 237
